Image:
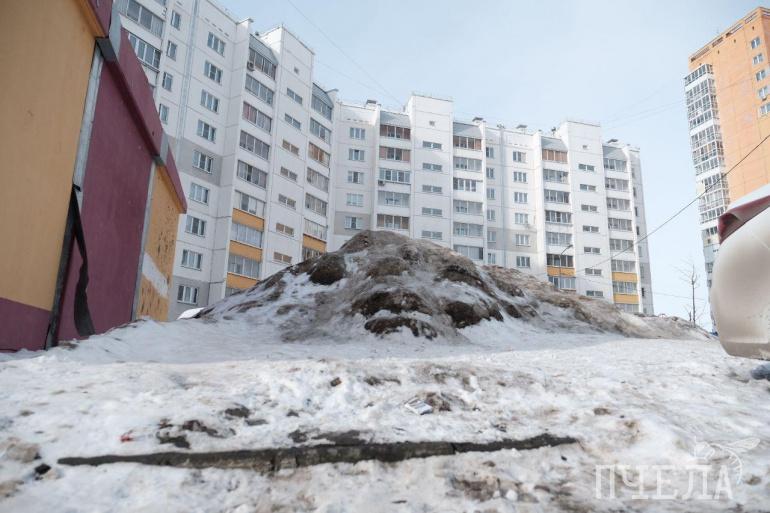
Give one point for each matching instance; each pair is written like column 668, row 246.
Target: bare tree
column 690, row 275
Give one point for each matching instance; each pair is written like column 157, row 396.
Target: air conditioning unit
column 381, row 183
column 250, row 66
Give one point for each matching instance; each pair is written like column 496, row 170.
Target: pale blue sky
column 617, row 62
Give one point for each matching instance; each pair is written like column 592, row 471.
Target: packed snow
column 228, row 380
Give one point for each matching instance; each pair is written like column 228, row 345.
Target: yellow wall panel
column 239, row 282
column 241, row 217
column 560, row 271
column 626, row 299
column 313, row 243
column 624, row 277
column 245, row 250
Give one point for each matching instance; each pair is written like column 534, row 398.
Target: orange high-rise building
column 728, row 110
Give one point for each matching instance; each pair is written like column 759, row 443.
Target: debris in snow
column 238, row 411
column 42, row 469
column 16, row 450
column 127, row 437
column 418, row 406
column 761, row 372
column 335, row 382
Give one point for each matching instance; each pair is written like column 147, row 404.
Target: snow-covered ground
column 677, row 403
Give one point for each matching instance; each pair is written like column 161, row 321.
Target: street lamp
column 560, row 264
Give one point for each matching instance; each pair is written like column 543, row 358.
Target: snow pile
column 383, row 283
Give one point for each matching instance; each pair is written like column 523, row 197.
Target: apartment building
column 253, row 135
column 727, row 91
column 275, row 167
column 563, row 206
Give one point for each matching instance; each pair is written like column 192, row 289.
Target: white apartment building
column 564, row 206
column 274, row 166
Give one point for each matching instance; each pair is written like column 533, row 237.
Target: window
column 554, row 155
column 586, row 167
column 433, row 212
column 392, row 222
column 556, row 217
column 259, row 90
column 317, row 180
column 590, row 271
column 212, row 72
column 616, row 184
column 187, row 294
column 591, row 250
column 249, row 204
column 317, row 205
column 398, row 154
column 321, row 107
column 490, row 152
column 618, row 204
column 491, row 258
column 163, row 113
column 587, row 188
column 287, row 202
column 762, row 93
column 467, row 164
column 171, row 49
column 491, row 172
column 431, row 145
column 562, row 282
column 320, row 131
column 357, row 133
column 472, row 208
column 758, row 58
column 210, row 101
column 199, row 193
column 252, row 175
column 623, row 266
column 552, row 196
column 431, row 167
column 519, row 218
column 558, row 238
column 590, row 229
column 202, row 161
column 764, row 109
column 490, row 193
column 554, row 175
column 286, row 145
column 491, row 214
column 462, row 184
column 621, row 245
column 293, row 122
column 615, row 165
column 520, row 197
column 523, row 262
column 394, row 175
column 281, row 258
column 520, row 177
column 521, row 239
column 192, row 259
column 176, row 20
column 761, row 74
column 755, row 43
column 624, row 287
column 472, row 252
column 354, row 154
column 554, row 260
column 355, row 200
column 619, row 224
column 393, row 199
column 589, row 208
column 469, row 143
column 207, row 131
column 143, row 16
column 594, row 293
column 262, row 63
column 432, row 189
column 294, row 96
column 195, row 226
column 427, row 234
column 285, row 230
column 355, row 177
column 246, row 235
column 243, row 266
column 354, row 223
column 216, row 44
column 145, row 52
column 256, row 117
column 286, row 173
column 315, row 230
column 519, row 156
column 468, row 230
column 395, row 132
column 255, row 146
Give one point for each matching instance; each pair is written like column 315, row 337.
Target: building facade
column 277, row 169
column 99, row 185
column 727, row 92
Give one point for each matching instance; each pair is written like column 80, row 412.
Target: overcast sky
column 620, row 63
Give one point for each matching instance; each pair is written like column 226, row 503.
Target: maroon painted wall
column 23, row 326
column 114, row 198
